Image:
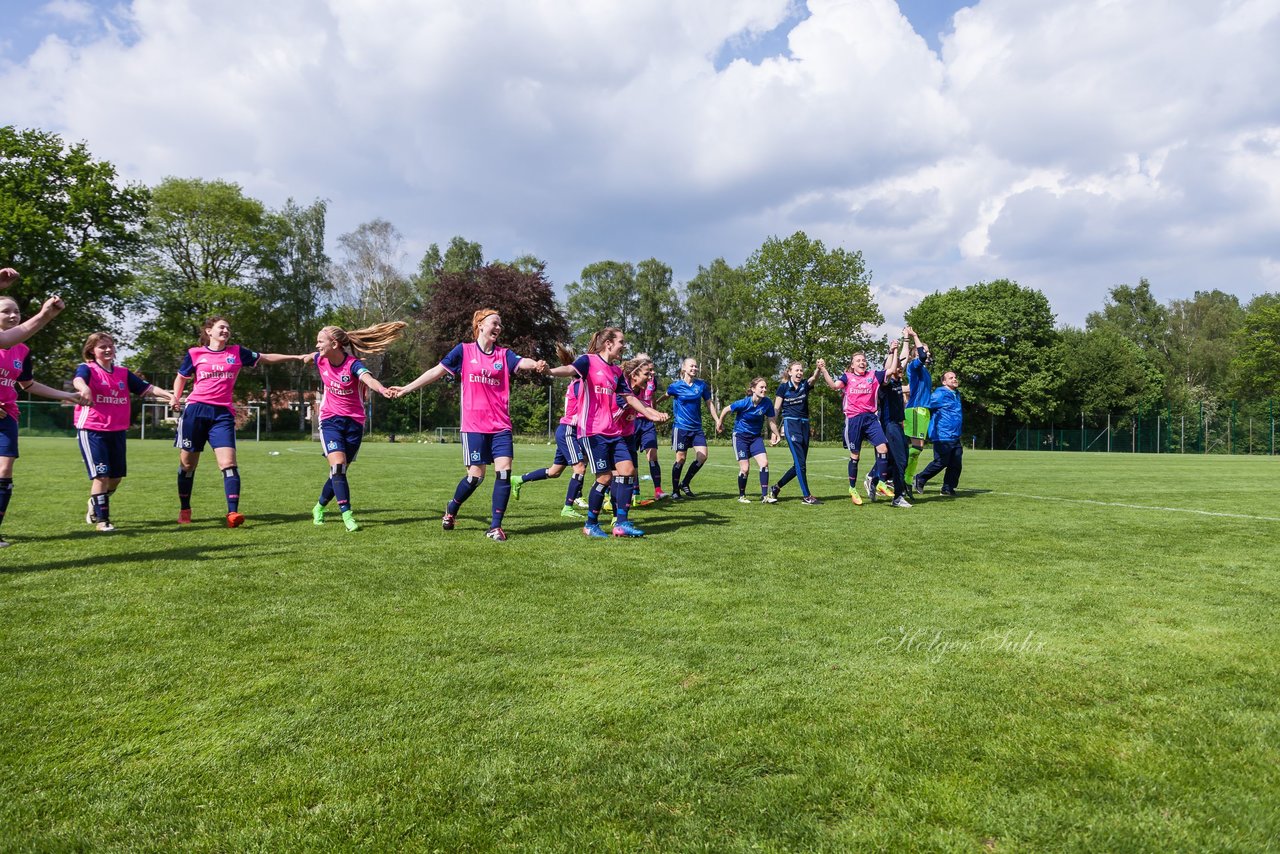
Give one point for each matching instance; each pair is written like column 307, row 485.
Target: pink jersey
column 625, row 419
column 110, row 410
column 646, row 394
column 485, row 379
column 11, row 363
column 343, row 391
column 215, row 373
column 602, row 383
column 860, row 393
column 571, row 402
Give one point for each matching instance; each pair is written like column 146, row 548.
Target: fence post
column 1108, row 432
column 1157, row 434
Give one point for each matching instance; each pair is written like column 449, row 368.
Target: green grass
column 991, row 672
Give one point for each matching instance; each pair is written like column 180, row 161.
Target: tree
column 1104, row 371
column 1135, row 314
column 604, row 296
column 208, row 245
column 70, row 227
column 813, row 302
column 722, row 308
column 460, row 256
column 1201, row 334
column 659, row 317
column 1255, row 363
column 999, row 338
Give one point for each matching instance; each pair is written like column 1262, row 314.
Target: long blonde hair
column 368, row 341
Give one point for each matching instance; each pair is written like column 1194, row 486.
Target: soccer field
column 1079, row 652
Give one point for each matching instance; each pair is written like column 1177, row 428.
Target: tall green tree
column 659, row 323
column 1104, row 371
column 1202, row 332
column 1255, row 362
column 999, row 338
column 1135, row 313
column 71, row 227
column 813, row 301
column 605, row 295
column 722, row 309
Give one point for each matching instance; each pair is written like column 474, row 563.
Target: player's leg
column 600, row 465
column 624, row 456
column 762, row 463
column 10, row 453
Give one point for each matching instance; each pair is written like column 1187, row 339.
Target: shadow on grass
column 102, row 561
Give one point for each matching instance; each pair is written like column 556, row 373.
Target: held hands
column 775, row 439
column 822, row 364
column 393, row 392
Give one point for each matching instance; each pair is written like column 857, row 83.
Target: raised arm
column 24, row 330
column 826, row 375
column 891, row 362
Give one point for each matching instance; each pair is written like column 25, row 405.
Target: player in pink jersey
column 635, row 427
column 15, row 373
column 343, row 378
column 568, row 453
column 647, row 432
column 209, row 416
column 483, row 371
column 861, row 392
column 102, row 425
column 601, row 432
column 22, row 331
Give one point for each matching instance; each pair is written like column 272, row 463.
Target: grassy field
column 1078, row 653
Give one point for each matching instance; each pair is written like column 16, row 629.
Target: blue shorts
column 605, row 452
column 204, row 422
column 633, row 446
column 568, row 448
column 646, row 434
column 341, row 433
column 683, row 440
column 102, row 452
column 746, row 447
column 481, row 449
column 796, row 430
column 8, row 435
column 863, row 426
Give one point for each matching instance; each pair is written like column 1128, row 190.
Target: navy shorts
column 646, row 434
column 863, row 426
column 204, row 422
column 746, row 447
column 683, row 440
column 481, row 449
column 568, row 448
column 341, row 433
column 8, row 435
column 605, row 452
column 633, row 446
column 102, row 452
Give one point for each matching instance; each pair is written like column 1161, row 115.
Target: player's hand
column 774, row 439
column 386, row 392
column 541, row 366
column 8, row 276
column 53, row 305
column 84, row 398
column 659, row 417
column 822, row 364
column 394, row 392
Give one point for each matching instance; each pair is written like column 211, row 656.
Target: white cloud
column 1071, row 146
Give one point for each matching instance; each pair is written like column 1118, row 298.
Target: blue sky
column 1071, row 146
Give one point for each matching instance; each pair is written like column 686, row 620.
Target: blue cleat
column 593, row 532
column 626, row 529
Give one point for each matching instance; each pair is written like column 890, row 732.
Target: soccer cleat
column 349, row 519
column 608, row 504
column 768, row 499
column 868, row 487
column 446, row 521
column 645, row 502
column 774, row 490
column 184, row 517
column 742, row 499
column 658, row 495
column 88, row 517
column 580, row 502
column 106, row 527
column 235, row 520
column 317, row 514
column 883, row 490
column 676, row 496
column 854, row 497
column 688, row 493
column 810, row 500
column 626, row 529
column 901, row 501
column 593, row 532
column 917, row 485
column 949, row 493
column 4, row 544
column 569, row 513
column 497, row 535
column 516, row 482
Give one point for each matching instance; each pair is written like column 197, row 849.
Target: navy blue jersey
column 892, row 409
column 749, row 417
column 795, row 399
column 688, row 399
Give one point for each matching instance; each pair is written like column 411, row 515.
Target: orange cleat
column 235, row 520
column 184, row 517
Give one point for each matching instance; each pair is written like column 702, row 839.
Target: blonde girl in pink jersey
column 343, row 378
column 603, row 385
column 101, row 426
column 209, row 416
column 15, row 373
column 483, row 371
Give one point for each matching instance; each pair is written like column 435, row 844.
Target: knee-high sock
column 501, row 497
column 913, row 457
column 622, row 497
column 764, row 481
column 675, row 475
column 692, row 472
column 595, row 500
column 853, row 473
column 655, row 472
column 536, row 474
column 574, row 491
column 341, row 490
column 742, row 483
column 101, row 506
column 6, row 492
column 326, row 494
column 231, row 486
column 185, row 480
column 466, row 486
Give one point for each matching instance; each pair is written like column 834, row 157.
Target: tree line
column 149, row 263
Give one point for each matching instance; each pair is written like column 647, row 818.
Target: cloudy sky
column 1071, row 145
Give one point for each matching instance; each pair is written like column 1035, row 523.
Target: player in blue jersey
column 748, row 436
column 919, row 392
column 890, row 468
column 688, row 393
column 791, row 401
